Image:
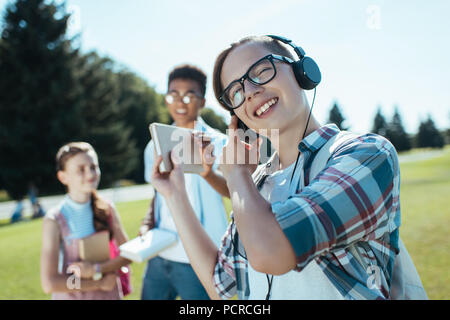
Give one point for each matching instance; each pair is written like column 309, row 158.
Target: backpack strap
column 324, row 154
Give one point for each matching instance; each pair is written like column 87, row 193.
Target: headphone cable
column 270, row 279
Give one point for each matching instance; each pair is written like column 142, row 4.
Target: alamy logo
column 74, row 280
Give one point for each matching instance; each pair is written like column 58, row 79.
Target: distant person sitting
column 170, row 274
column 38, row 211
column 17, row 214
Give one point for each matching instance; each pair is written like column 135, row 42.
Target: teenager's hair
column 189, row 72
column 99, row 206
column 269, row 43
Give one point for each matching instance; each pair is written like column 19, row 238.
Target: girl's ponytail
column 101, row 214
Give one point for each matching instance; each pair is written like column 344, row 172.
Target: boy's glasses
column 259, row 73
column 175, row 96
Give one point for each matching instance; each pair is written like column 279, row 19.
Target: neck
column 289, row 139
column 187, row 125
column 79, row 197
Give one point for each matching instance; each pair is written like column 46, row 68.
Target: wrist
column 177, row 201
column 97, row 275
column 237, row 173
column 176, row 196
column 207, row 174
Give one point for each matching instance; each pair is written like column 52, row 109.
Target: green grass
column 425, row 201
column 425, row 204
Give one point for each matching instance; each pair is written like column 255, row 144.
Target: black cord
column 233, row 239
column 269, row 281
column 304, row 132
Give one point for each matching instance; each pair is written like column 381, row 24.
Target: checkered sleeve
column 350, row 200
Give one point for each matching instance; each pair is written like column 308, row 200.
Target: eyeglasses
column 187, row 98
column 259, row 73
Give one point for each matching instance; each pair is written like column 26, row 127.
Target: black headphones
column 306, row 70
column 308, row 76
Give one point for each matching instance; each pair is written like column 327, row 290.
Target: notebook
column 95, row 248
column 166, row 138
column 148, row 246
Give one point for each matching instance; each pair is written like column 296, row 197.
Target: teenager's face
column 287, row 99
column 184, row 114
column 81, row 173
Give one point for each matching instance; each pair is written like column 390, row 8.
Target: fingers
column 202, row 140
column 176, row 161
column 208, row 154
column 155, row 169
column 234, row 123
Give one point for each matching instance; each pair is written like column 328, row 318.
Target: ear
column 202, row 103
column 61, row 175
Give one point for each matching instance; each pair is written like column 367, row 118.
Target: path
column 116, row 195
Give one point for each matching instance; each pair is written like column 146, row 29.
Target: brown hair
column 267, row 42
column 189, row 72
column 99, row 206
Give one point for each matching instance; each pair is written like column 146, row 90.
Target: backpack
column 405, row 282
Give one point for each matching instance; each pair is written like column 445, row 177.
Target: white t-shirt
column 309, row 284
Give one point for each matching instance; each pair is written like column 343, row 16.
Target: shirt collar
column 76, row 205
column 315, row 140
column 199, row 125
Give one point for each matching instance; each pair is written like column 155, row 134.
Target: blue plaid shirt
column 346, row 218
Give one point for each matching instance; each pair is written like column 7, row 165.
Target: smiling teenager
column 292, row 235
column 170, row 274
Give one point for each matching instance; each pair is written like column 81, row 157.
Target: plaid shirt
column 347, row 219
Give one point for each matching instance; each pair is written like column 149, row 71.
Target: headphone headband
column 306, row 70
column 298, row 50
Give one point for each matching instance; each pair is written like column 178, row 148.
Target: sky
column 371, row 53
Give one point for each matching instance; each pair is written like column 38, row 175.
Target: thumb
column 176, row 160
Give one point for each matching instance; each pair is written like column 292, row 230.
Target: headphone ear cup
column 307, row 73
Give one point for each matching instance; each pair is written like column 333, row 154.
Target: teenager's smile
column 264, row 109
column 181, row 111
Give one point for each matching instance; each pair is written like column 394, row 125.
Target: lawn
column 425, row 205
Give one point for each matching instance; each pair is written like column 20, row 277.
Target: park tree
column 396, row 133
column 336, row 117
column 143, row 106
column 104, row 118
column 39, row 94
column 447, row 132
column 379, row 123
column 214, row 120
column 428, row 135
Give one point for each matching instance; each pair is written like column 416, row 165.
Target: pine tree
column 39, row 94
column 397, row 134
column 336, row 117
column 379, row 123
column 428, row 135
